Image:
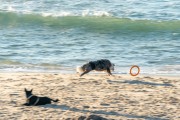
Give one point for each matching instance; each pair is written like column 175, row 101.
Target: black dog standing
column 35, row 100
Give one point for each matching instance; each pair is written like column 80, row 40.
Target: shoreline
column 111, row 97
column 91, row 73
column 72, row 70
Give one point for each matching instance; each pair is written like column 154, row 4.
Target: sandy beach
column 118, row 97
column 44, row 42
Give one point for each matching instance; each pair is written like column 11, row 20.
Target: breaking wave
column 103, row 21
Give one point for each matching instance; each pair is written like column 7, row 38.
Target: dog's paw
column 111, row 75
column 25, row 104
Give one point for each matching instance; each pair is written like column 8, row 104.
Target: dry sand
column 112, row 97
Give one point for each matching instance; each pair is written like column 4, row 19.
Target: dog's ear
column 25, row 89
column 31, row 90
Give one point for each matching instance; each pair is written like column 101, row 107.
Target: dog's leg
column 84, row 73
column 109, row 71
column 26, row 104
column 55, row 100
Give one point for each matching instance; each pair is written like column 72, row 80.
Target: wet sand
column 110, row 97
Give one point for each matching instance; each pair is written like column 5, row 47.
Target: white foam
column 101, row 13
column 11, row 9
column 85, row 12
column 56, row 14
column 95, row 13
column 46, row 14
column 63, row 13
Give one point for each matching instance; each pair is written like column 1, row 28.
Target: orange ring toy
column 132, row 68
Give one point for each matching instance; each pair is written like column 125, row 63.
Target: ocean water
column 58, row 35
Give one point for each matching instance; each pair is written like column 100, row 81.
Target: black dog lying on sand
column 99, row 65
column 35, row 100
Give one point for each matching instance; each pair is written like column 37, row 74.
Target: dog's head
column 112, row 67
column 28, row 93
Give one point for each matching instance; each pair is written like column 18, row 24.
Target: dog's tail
column 79, row 69
column 55, row 100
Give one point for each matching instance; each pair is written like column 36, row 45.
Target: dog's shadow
column 138, row 82
column 146, row 83
column 98, row 112
column 55, row 106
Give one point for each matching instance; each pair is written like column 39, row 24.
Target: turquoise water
column 58, row 35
